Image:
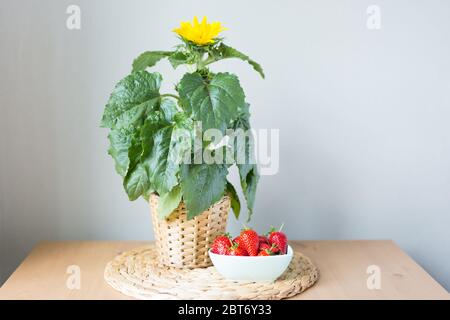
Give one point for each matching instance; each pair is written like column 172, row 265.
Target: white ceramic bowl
column 259, row 268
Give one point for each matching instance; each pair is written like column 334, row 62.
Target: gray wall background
column 363, row 117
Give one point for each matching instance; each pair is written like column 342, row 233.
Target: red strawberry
column 263, row 239
column 279, row 239
column 238, row 241
column 275, row 249
column 236, row 250
column 221, row 244
column 267, row 250
column 264, row 246
column 250, row 241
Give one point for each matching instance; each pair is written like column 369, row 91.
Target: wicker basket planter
column 183, row 243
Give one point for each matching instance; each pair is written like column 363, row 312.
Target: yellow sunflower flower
column 202, row 33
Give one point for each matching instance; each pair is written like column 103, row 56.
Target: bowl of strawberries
column 250, row 256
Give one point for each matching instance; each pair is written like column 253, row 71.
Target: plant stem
column 208, row 61
column 170, row 95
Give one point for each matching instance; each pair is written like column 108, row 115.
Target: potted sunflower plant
column 174, row 150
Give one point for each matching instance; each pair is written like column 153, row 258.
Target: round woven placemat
column 136, row 273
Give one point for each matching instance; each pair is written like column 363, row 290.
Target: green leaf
column 178, row 58
column 136, row 182
column 129, row 144
column 225, row 52
column 235, row 202
column 134, row 117
column 162, row 171
column 131, row 91
column 169, row 107
column 249, row 183
column 202, row 186
column 248, row 170
column 182, row 120
column 180, row 143
column 169, row 202
column 120, row 142
column 149, row 59
column 151, row 125
column 244, row 114
column 244, row 152
column 135, row 151
column 216, row 102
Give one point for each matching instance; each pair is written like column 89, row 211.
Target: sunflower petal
column 200, row 33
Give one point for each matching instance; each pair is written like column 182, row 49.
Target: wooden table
column 343, row 266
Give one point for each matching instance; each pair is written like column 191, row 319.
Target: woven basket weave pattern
column 184, row 243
